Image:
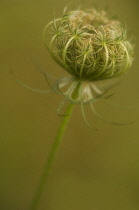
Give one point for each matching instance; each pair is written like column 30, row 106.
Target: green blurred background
column 94, row 170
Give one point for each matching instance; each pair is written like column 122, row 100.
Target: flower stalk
column 52, row 154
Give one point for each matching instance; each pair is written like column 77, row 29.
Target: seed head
column 90, row 46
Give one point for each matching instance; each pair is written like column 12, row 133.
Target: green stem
column 51, row 158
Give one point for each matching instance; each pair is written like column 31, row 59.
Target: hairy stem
column 51, row 157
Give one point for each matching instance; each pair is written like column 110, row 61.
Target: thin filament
column 108, row 121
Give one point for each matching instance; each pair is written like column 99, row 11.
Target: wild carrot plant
column 92, row 48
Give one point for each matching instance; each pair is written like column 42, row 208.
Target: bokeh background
column 93, row 170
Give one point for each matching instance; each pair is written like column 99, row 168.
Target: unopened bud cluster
column 90, row 46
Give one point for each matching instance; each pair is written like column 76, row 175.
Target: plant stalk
column 51, row 157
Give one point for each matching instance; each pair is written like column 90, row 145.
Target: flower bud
column 89, row 45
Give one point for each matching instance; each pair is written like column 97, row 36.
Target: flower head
column 90, row 47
